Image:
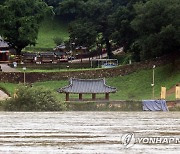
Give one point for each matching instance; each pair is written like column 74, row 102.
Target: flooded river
column 86, row 132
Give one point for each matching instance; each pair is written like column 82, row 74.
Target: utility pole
column 24, row 69
column 153, row 81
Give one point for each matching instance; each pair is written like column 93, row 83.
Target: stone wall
column 116, row 106
column 17, row 77
column 61, row 65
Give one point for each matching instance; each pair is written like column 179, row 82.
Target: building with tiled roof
column 87, row 86
column 4, row 50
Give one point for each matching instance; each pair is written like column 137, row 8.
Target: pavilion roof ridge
column 97, row 79
column 87, row 86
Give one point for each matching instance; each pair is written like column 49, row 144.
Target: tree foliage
column 91, row 19
column 20, row 21
column 58, row 40
column 146, row 28
column 54, row 4
column 29, row 98
column 158, row 26
column 83, row 33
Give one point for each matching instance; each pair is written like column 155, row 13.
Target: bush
column 58, row 40
column 29, row 98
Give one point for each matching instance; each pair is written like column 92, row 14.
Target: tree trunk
column 18, row 51
column 175, row 61
column 108, row 48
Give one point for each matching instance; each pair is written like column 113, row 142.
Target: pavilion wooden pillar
column 93, row 96
column 67, row 96
column 80, row 96
column 107, row 96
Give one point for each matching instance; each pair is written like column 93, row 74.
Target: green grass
column 56, row 70
column 136, row 86
column 9, row 88
column 54, row 85
column 49, row 29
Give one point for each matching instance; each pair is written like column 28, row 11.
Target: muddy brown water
column 85, row 132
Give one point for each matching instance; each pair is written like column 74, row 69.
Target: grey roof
column 81, row 47
column 87, row 86
column 60, row 53
column 46, row 54
column 30, row 54
column 61, row 46
column 3, row 44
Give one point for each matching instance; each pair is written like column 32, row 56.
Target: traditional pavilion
column 4, row 50
column 87, row 86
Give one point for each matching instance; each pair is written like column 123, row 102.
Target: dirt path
column 3, row 95
column 6, row 68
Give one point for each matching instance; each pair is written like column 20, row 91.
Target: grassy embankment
column 50, row 29
column 136, row 86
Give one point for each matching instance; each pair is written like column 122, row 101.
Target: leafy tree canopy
column 91, row 19
column 123, row 34
column 83, row 33
column 147, row 28
column 53, row 3
column 158, row 26
column 111, row 18
column 20, row 21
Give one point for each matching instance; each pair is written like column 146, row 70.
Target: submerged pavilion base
column 89, row 100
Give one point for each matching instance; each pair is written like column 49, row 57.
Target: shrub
column 58, row 40
column 27, row 98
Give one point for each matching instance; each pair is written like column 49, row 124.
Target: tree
column 70, row 9
column 123, row 34
column 158, row 26
column 93, row 14
column 53, row 3
column 58, row 40
column 111, row 18
column 30, row 98
column 20, row 21
column 83, row 33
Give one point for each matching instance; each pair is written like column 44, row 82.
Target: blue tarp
column 154, row 105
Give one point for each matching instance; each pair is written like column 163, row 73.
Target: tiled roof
column 62, row 46
column 81, row 47
column 87, row 86
column 3, row 44
column 30, row 54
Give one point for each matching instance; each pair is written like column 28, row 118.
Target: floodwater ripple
column 85, row 132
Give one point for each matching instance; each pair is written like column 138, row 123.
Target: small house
column 29, row 57
column 47, row 57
